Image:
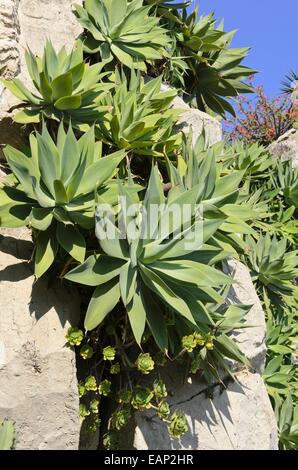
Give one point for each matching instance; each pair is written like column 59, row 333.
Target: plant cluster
column 139, row 217
column 7, row 435
column 272, row 256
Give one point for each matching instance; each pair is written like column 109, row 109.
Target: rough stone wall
column 286, row 147
column 38, row 386
column 9, row 34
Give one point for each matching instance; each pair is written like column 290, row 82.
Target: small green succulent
column 178, row 425
column 124, row 396
column 160, row 390
column 111, row 440
column 109, row 353
column 188, row 343
column 67, row 88
column 54, row 191
column 82, row 390
column 163, row 410
column 122, row 31
column 272, row 265
column 145, row 363
column 90, row 384
column 141, row 398
column 120, row 418
column 84, row 411
column 105, row 388
column 74, row 336
column 115, row 369
column 94, row 404
column 86, row 352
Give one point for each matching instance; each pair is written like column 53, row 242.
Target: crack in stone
column 208, row 391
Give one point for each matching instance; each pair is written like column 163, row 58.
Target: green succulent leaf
column 70, row 238
column 104, row 299
column 46, row 250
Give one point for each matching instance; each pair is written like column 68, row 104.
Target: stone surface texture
column 197, row 120
column 38, row 385
column 252, row 339
column 286, row 147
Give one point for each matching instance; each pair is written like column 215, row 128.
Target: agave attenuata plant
column 66, row 87
column 54, row 191
column 141, row 118
column 149, row 261
column 122, row 30
column 202, row 61
column 272, row 265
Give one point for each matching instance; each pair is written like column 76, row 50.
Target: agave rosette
column 122, row 30
column 67, row 87
column 170, row 264
column 218, row 191
column 141, row 119
column 54, row 191
column 203, row 62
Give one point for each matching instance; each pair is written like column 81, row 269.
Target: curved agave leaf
column 7, row 435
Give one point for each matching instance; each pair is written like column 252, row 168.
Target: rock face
column 286, row 147
column 22, row 23
column 38, row 385
column 250, row 340
column 198, row 121
column 239, row 416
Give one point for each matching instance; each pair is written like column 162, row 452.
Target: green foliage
column 67, row 88
column 178, row 425
column 74, row 336
column 140, row 119
column 7, row 435
column 272, row 265
column 54, row 189
column 203, row 63
column 285, row 179
column 90, row 384
column 142, row 271
column 105, row 388
column 109, row 353
column 122, row 31
column 141, row 398
column 145, row 363
column 272, row 257
column 154, row 252
column 86, row 352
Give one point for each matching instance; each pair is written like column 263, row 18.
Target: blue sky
column 270, row 27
